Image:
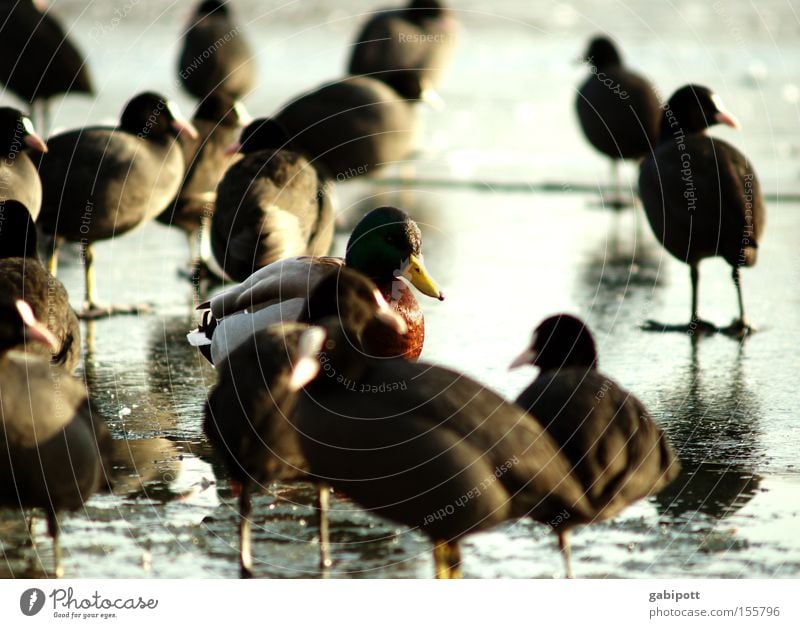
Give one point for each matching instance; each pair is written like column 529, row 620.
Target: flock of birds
column 318, row 377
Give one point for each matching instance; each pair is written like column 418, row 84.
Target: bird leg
column 440, row 562
column 92, row 309
column 52, row 259
column 245, row 549
column 697, row 325
column 54, row 530
column 193, row 239
column 616, row 200
column 454, row 561
column 740, row 327
column 324, row 497
column 563, row 544
column 32, row 530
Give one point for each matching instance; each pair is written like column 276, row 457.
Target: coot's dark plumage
column 215, row 56
column 385, row 245
column 617, row 452
column 618, row 110
column 99, row 182
column 271, row 204
column 354, row 126
column 218, row 121
column 403, row 46
column 701, row 195
column 428, row 447
column 37, row 59
column 22, row 276
column 247, row 413
column 54, row 443
column 19, row 180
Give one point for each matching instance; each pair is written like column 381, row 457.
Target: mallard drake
column 385, row 245
column 100, row 182
column 247, row 413
column 408, row 45
column 425, row 446
column 615, row 449
column 23, row 276
column 618, row 110
column 701, row 195
column 271, row 204
column 215, row 56
column 55, row 445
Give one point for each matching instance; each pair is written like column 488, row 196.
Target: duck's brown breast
column 384, row 342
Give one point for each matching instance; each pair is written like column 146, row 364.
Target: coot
column 19, row 180
column 271, row 204
column 402, row 46
column 38, row 62
column 215, row 56
column 247, row 413
column 702, row 196
column 23, row 276
column 54, row 443
column 100, row 182
column 616, row 451
column 218, row 120
column 427, row 446
column 619, row 111
column 354, row 126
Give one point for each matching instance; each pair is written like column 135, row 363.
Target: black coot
column 271, row 204
column 218, row 120
column 100, row 182
column 616, row 450
column 247, row 413
column 54, row 443
column 23, row 276
column 215, row 56
column 19, row 180
column 353, row 127
column 403, row 46
column 702, row 196
column 38, row 61
column 618, row 110
column 428, row 447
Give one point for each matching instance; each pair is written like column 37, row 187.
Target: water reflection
column 619, row 274
column 713, row 419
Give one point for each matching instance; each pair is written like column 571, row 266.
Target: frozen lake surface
column 506, row 258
